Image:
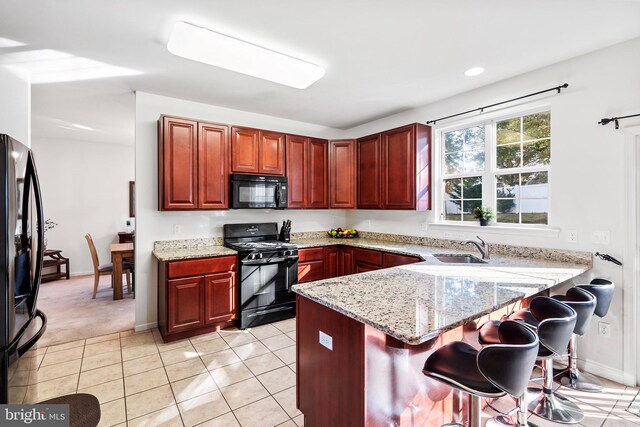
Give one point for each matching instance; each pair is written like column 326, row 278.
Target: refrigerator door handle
column 37, row 274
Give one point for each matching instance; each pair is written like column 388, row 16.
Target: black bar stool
column 494, row 371
column 602, row 290
column 554, row 322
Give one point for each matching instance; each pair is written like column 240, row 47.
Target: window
column 503, row 164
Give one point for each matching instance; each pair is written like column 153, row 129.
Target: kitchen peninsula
column 362, row 339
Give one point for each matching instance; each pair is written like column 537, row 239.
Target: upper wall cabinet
column 257, row 151
column 342, row 174
column 307, row 172
column 192, row 165
column 394, row 169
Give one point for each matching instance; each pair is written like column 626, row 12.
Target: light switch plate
column 601, row 237
column 572, row 236
column 326, row 340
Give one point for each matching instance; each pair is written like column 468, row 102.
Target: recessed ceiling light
column 474, row 71
column 212, row 48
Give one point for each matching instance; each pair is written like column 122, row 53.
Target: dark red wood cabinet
column 331, row 261
column 347, row 261
column 394, row 169
column 178, row 164
column 257, row 151
column 307, row 168
column 192, row 164
column 310, row 264
column 369, row 172
column 342, row 174
column 196, row 296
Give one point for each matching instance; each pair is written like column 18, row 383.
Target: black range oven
column 268, row 270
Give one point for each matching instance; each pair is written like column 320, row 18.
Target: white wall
column 15, row 106
column 153, row 225
column 588, row 176
column 85, row 189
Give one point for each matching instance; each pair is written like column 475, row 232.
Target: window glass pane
column 453, row 141
column 468, row 207
column 508, row 131
column 452, row 210
column 507, row 211
column 536, row 126
column 536, row 153
column 452, row 189
column 534, row 211
column 474, row 161
column 474, row 138
column 508, row 156
column 534, row 185
column 507, row 185
column 472, row 187
column 453, row 163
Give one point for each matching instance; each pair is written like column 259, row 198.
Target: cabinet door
column 271, row 153
column 178, row 164
column 362, row 267
column 369, row 172
column 297, row 166
column 185, row 305
column 331, row 262
column 347, row 261
column 342, row 174
column 399, row 168
column 213, row 172
column 395, row 260
column 245, row 150
column 318, row 174
column 220, row 297
column 309, row 271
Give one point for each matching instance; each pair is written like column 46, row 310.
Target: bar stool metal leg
column 573, row 378
column 553, row 406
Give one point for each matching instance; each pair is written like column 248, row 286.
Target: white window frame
column 488, row 175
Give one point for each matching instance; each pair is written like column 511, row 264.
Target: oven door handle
column 264, row 261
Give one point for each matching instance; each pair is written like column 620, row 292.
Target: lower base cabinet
column 196, row 296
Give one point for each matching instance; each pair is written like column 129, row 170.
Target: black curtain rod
column 615, row 120
column 481, row 109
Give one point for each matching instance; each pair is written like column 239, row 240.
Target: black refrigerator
column 20, row 255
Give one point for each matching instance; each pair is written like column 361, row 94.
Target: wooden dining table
column 118, row 252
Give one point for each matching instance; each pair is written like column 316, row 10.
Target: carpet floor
column 73, row 315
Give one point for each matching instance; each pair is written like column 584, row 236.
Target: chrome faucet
column 483, row 247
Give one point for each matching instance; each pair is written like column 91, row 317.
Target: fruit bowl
column 339, row 233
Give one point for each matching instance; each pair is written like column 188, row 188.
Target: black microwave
column 258, row 191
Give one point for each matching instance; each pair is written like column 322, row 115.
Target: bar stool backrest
column 584, row 304
column 602, row 289
column 557, row 322
column 508, row 365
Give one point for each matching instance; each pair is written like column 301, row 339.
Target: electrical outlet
column 572, row 236
column 367, row 224
column 326, row 340
column 601, row 237
column 177, row 229
column 425, row 226
column 604, row 329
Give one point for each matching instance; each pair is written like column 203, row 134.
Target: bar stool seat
column 491, row 372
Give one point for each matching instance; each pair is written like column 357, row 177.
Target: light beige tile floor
column 227, row 379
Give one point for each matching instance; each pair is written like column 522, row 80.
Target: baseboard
column 604, row 371
column 145, row 326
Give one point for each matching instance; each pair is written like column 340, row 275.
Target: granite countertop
column 432, row 297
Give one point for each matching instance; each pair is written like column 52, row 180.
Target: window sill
column 493, row 229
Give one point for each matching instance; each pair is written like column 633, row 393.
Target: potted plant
column 48, row 225
column 483, row 214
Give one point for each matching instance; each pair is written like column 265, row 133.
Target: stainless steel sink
column 459, row 259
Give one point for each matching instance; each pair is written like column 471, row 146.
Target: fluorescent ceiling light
column 206, row 46
column 474, row 71
column 49, row 66
column 9, row 43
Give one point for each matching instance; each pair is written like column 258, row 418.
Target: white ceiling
column 380, row 57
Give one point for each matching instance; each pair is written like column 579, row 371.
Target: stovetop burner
column 261, row 246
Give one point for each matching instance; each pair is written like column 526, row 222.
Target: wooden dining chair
column 103, row 269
